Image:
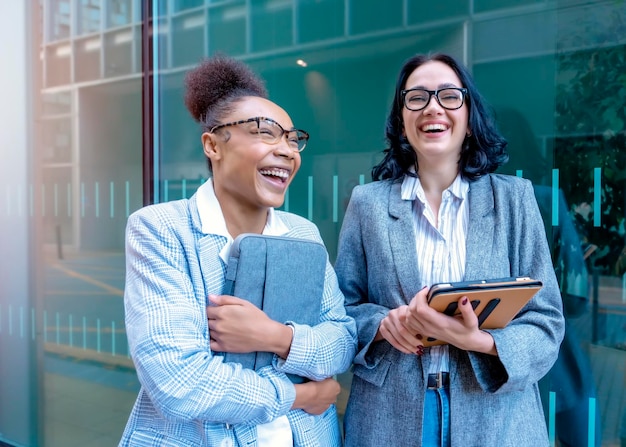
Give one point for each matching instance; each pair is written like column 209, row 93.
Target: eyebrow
column 439, row 87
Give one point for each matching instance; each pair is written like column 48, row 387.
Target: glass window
column 271, row 24
column 120, row 12
column 188, row 38
column 59, row 20
column 89, row 16
column 320, row 20
column 87, row 54
column 118, row 52
column 58, row 60
column 387, row 18
column 228, row 31
column 553, row 73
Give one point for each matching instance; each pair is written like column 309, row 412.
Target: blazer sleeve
column 528, row 346
column 167, row 331
column 326, row 349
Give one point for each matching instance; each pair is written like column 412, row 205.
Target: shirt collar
column 412, row 188
column 212, row 218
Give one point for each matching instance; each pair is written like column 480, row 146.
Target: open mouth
column 275, row 174
column 434, row 128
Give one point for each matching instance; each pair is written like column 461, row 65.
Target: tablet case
column 283, row 276
column 495, row 301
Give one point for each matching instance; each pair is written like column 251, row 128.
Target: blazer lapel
column 402, row 242
column 208, row 247
column 480, row 229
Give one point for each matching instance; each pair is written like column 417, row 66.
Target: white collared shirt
column 276, row 433
column 440, row 248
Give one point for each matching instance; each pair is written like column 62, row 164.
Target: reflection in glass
column 228, row 29
column 87, row 56
column 119, row 13
column 88, row 16
column 59, row 20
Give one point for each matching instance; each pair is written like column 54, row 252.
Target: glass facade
column 554, row 72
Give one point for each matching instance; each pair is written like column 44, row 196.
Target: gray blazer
column 494, row 400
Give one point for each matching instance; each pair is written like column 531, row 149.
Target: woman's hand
column 316, row 397
column 236, row 325
column 460, row 330
column 393, row 329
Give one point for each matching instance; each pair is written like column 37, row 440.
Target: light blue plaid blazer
column 189, row 396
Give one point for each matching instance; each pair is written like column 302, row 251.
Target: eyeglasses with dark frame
column 450, row 98
column 271, row 132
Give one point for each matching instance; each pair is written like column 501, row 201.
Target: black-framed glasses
column 450, row 98
column 271, row 132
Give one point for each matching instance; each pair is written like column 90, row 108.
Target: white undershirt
column 276, row 433
column 440, row 249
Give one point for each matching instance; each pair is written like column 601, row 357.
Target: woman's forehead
column 251, row 106
column 433, row 75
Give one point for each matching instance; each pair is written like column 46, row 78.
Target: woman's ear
column 210, row 146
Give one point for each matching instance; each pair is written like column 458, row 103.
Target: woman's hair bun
column 218, row 78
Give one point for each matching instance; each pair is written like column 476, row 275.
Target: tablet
column 495, row 301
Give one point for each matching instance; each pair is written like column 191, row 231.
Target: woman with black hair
column 436, row 212
column 178, row 321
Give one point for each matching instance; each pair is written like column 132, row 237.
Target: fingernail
column 464, row 302
column 419, row 336
column 423, row 288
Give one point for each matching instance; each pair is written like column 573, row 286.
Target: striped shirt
column 439, row 242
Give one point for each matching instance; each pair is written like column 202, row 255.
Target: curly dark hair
column 482, row 152
column 213, row 88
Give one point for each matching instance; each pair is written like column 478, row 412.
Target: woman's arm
column 168, row 332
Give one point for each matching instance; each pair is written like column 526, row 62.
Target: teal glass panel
column 320, row 20
column 271, row 23
column 420, row 12
column 228, row 28
column 552, row 72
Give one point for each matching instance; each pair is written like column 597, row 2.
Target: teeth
column 275, row 172
column 431, row 127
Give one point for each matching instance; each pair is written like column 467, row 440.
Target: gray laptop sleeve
column 283, row 276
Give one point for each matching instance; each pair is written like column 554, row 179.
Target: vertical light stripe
column 310, row 198
column 361, row 179
column 597, row 195
column 112, row 197
column 555, row 197
column 335, row 198
column 591, row 439
column 127, row 198
column 71, row 329
column 519, row 173
column 21, row 322
column 84, row 333
column 112, row 337
column 286, row 204
column 166, row 190
column 98, row 335
column 183, row 188
column 552, row 418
